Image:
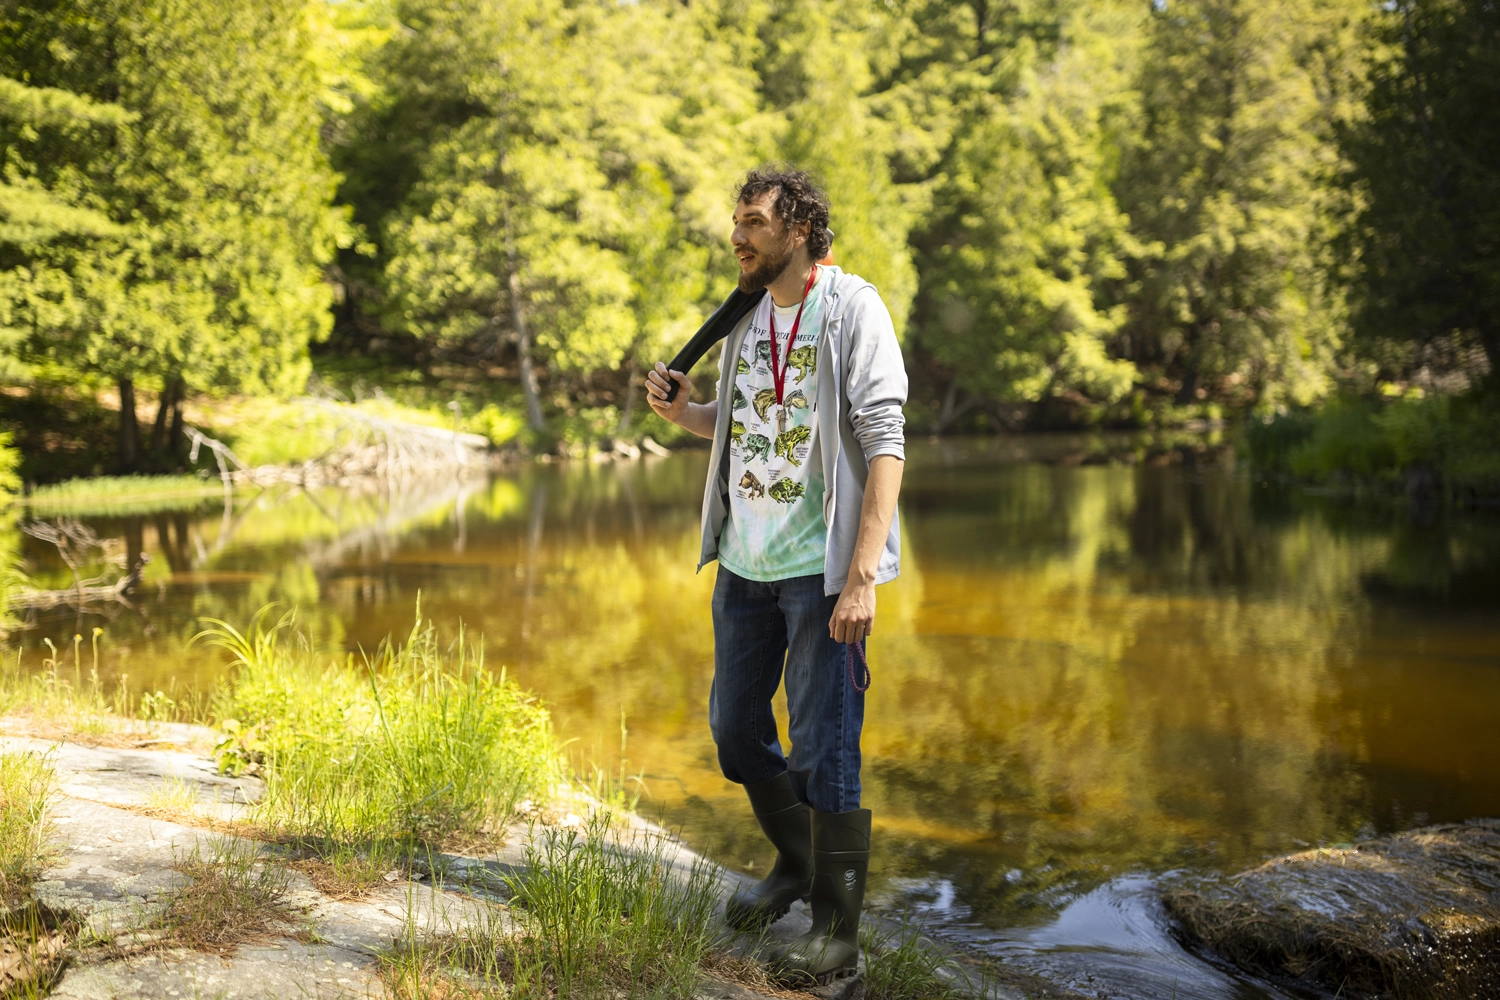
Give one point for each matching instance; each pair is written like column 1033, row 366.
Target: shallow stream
column 1090, row 678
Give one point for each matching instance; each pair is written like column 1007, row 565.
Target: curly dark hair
column 798, row 199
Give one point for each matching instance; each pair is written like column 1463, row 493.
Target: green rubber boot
column 784, row 820
column 841, row 864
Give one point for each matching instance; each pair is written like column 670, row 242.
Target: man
column 799, row 510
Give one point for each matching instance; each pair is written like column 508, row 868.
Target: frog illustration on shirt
column 763, row 402
column 788, row 440
column 755, row 446
column 805, row 360
column 787, row 490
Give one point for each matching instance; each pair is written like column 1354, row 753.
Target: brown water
column 1089, row 678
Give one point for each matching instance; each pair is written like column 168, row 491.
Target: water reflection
column 1087, row 676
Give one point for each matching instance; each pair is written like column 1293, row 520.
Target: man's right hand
column 657, row 384
column 696, row 417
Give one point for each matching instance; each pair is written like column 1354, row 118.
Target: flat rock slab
column 138, row 778
column 112, row 865
column 1416, row 914
column 279, row 969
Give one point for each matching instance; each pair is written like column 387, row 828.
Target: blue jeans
column 756, row 627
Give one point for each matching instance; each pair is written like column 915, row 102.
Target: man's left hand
column 854, row 615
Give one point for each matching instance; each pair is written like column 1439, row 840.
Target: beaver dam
column 1104, row 666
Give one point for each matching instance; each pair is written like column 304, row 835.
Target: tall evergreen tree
column 817, row 72
column 1024, row 252
column 1426, row 164
column 34, row 214
column 1228, row 185
column 218, row 185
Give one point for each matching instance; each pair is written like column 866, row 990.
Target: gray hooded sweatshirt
column 861, row 389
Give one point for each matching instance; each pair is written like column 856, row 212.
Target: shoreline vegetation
column 1090, row 216
column 414, row 762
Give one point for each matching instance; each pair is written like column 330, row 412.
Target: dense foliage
column 1079, row 211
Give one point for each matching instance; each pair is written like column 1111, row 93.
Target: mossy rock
column 1414, row 915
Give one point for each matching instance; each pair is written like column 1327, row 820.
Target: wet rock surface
column 1416, row 914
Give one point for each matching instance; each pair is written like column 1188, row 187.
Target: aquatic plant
column 119, row 495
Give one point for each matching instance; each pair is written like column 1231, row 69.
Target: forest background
column 1082, row 213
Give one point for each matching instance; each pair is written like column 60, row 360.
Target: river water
column 1090, row 680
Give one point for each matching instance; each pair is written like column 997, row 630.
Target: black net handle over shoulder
column 715, row 329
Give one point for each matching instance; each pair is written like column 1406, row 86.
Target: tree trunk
column 177, row 440
column 950, row 400
column 1188, row 394
column 130, row 431
column 523, row 351
column 627, row 412
column 169, row 390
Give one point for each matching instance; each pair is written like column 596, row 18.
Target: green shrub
column 1380, row 441
column 1271, row 442
column 417, row 743
column 1345, row 439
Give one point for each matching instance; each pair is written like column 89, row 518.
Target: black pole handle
column 713, row 330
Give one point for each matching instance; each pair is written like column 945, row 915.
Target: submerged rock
column 1414, row 915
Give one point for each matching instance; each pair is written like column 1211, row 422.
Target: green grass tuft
column 231, row 892
column 121, row 495
column 415, row 744
column 901, row 965
column 591, row 916
column 27, row 782
column 63, row 701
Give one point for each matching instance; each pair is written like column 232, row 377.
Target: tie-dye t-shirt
column 776, row 528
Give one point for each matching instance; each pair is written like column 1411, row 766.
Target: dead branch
column 75, row 542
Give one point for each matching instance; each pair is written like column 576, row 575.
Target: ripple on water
column 1114, row 941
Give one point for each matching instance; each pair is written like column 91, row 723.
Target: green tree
column 33, row 214
column 818, row 71
column 218, row 186
column 1425, row 163
column 1228, row 185
column 564, row 208
column 1024, row 252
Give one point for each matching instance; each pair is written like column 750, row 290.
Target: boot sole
column 805, row 979
column 837, row 974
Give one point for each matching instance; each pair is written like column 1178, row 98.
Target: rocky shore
column 1412, row 915
column 129, row 822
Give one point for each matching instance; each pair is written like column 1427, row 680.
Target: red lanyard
column 778, row 368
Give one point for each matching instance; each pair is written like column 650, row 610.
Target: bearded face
column 764, row 250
